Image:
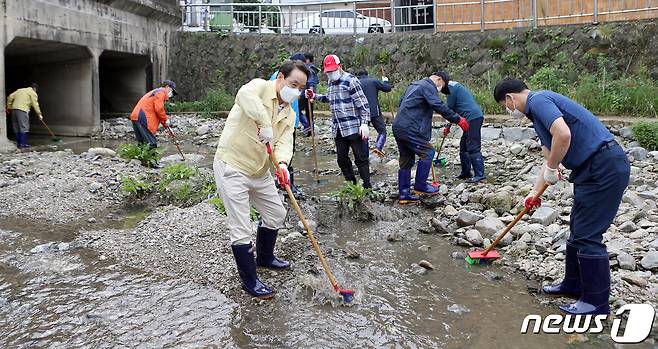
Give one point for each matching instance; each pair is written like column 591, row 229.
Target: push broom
column 52, row 135
column 489, row 254
column 347, row 295
column 441, row 160
column 173, row 138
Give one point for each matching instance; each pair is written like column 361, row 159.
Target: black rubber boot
column 595, row 277
column 244, row 259
column 478, row 167
column 265, row 241
column 570, row 286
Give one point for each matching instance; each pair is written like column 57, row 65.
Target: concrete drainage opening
column 123, row 80
column 64, row 75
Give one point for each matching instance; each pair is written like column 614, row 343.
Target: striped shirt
column 348, row 103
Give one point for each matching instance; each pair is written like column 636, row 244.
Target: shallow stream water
column 80, row 298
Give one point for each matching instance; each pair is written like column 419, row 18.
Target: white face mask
column 289, row 94
column 517, row 114
column 334, row 75
column 170, row 94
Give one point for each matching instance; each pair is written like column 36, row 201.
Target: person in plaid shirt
column 350, row 114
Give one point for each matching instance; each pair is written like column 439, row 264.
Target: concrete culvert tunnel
column 64, row 73
column 123, row 79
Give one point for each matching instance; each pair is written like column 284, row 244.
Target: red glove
column 530, row 204
column 446, row 131
column 463, row 123
column 310, row 94
column 283, row 176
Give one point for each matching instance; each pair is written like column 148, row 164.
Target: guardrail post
column 534, row 13
column 260, row 14
column 354, row 15
column 435, row 17
column 481, row 15
column 393, row 16
column 206, row 18
column 596, row 11
column 290, row 20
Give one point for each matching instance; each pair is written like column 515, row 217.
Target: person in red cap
column 350, row 114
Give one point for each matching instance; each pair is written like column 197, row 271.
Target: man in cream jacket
column 261, row 114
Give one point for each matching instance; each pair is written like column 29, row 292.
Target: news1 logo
column 637, row 329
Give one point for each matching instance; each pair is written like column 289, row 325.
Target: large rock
column 506, row 241
column 626, row 261
column 439, row 226
column 650, row 260
column 202, row 130
column 466, row 218
column 544, row 215
column 500, row 201
column 518, row 149
column 102, row 152
column 628, row 226
column 490, row 133
column 517, row 134
column 176, row 158
column 489, row 226
column 473, row 236
column 638, row 153
column 626, row 133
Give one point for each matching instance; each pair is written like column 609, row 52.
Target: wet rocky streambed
column 83, row 266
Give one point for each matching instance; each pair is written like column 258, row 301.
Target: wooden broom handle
column 311, row 237
column 516, row 220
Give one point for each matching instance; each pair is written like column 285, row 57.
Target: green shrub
column 549, row 78
column 148, row 156
column 351, row 193
column 216, row 100
column 135, row 187
column 176, row 172
column 647, row 134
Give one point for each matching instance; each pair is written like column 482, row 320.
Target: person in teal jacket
column 461, row 101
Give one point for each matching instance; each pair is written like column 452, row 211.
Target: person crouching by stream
column 261, row 114
column 150, row 112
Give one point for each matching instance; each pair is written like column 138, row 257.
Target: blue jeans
column 142, row 133
column 599, row 185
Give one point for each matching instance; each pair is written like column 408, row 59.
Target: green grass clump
column 216, row 100
column 351, row 194
column 148, row 156
column 647, row 134
column 135, row 187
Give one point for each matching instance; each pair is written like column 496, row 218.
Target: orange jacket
column 150, row 109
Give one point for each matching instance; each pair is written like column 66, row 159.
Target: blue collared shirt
column 349, row 105
column 588, row 134
column 461, row 100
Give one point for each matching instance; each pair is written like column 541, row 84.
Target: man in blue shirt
column 412, row 129
column 312, row 83
column 371, row 88
column 461, row 100
column 350, row 114
column 572, row 136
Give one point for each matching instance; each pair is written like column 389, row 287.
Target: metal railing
column 384, row 16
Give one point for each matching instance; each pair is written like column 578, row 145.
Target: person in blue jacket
column 371, row 88
column 312, row 84
column 572, row 136
column 295, row 107
column 412, row 129
column 461, row 100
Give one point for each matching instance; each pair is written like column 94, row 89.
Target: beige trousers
column 237, row 190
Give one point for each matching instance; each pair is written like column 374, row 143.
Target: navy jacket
column 417, row 105
column 461, row 100
column 371, row 88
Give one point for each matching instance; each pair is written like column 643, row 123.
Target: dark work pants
column 143, row 135
column 599, row 185
column 343, row 145
column 411, row 145
column 471, row 141
column 378, row 123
